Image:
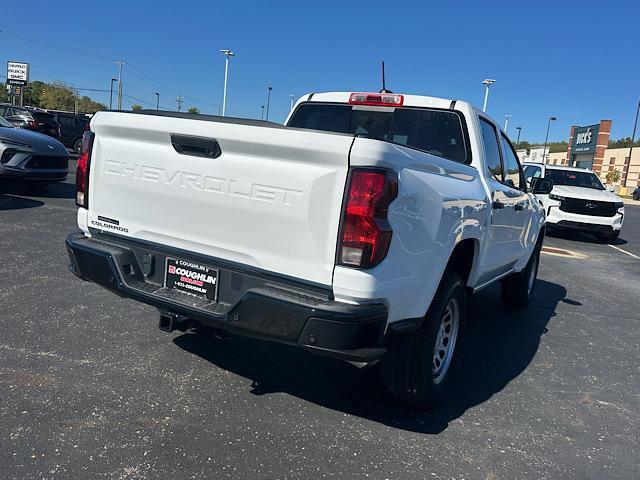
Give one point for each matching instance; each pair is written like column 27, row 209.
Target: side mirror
column 541, row 186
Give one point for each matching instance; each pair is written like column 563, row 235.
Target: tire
column 517, row 289
column 608, row 237
column 413, row 372
column 77, row 145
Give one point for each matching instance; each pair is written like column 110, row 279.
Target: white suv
column 578, row 201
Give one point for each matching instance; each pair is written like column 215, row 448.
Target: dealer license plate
column 192, row 278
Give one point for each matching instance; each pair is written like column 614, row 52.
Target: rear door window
column 491, row 149
column 439, row 132
column 512, row 173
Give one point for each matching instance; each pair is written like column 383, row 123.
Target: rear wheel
column 517, row 288
column 420, row 365
column 608, row 237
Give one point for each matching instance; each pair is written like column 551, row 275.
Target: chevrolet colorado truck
column 357, row 230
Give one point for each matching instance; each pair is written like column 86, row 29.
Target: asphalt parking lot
column 90, row 388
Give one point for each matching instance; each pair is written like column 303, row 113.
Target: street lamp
column 261, row 112
column 544, row 149
column 486, row 82
column 157, row 101
column 519, row 129
column 227, row 53
column 111, row 92
column 506, row 122
column 633, row 136
column 268, row 101
column 291, row 108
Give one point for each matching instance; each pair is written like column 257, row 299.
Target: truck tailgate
column 271, row 199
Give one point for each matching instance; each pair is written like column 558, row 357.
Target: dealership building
column 588, row 148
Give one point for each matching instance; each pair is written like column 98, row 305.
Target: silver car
column 31, row 156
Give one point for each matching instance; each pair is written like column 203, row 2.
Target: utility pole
column 268, row 101
column 261, row 112
column 506, row 122
column 111, row 93
column 179, row 102
column 544, row 149
column 486, row 82
column 157, row 101
column 75, row 109
column 519, row 129
column 633, row 136
column 291, row 108
column 120, row 63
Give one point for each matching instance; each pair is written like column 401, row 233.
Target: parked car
column 71, row 129
column 579, row 201
column 31, row 156
column 356, row 231
column 35, row 120
column 636, row 193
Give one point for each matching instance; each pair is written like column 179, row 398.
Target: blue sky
column 577, row 60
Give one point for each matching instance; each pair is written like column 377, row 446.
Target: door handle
column 497, row 204
column 196, row 146
column 519, row 206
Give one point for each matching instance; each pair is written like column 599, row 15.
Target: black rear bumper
column 249, row 302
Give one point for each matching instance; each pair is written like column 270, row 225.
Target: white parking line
column 624, row 251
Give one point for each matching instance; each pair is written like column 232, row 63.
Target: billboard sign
column 17, row 73
column 585, row 139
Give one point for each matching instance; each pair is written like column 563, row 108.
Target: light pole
column 268, row 101
column 291, row 108
column 633, row 135
column 486, row 82
column 546, row 137
column 111, row 92
column 227, row 53
column 519, row 129
column 506, row 122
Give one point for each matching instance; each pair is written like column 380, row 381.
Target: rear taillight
column 82, row 171
column 365, row 233
column 33, row 123
column 378, row 99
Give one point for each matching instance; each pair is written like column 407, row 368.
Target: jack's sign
column 585, row 139
column 17, row 73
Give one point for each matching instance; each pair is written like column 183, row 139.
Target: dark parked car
column 35, row 120
column 72, row 127
column 636, row 193
column 31, row 156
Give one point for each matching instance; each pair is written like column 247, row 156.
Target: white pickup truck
column 357, row 230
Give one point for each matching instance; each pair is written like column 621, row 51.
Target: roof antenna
column 384, row 87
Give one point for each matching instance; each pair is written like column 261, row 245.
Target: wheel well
column 461, row 259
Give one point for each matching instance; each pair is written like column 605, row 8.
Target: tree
column 33, row 93
column 193, row 110
column 87, row 105
column 613, row 176
column 136, row 107
column 623, row 143
column 4, row 94
column 58, row 96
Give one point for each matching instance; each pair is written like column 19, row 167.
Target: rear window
column 438, row 132
column 43, row 116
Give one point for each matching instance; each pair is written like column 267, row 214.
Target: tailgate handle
column 196, row 146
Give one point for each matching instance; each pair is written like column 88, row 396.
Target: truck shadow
column 54, row 190
column 10, row 202
column 577, row 236
column 500, row 343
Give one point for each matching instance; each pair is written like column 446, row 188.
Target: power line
column 43, row 41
